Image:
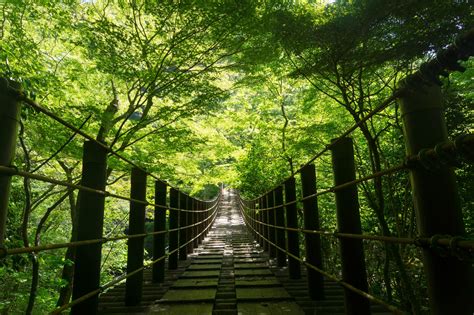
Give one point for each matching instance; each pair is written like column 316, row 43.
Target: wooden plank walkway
column 227, row 274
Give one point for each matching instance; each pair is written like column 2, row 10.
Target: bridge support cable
column 348, row 221
column 90, row 220
column 10, row 107
column 440, row 242
column 436, row 199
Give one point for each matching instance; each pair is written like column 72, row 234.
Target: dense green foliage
column 209, row 92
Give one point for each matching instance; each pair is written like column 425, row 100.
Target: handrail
column 127, row 275
column 368, row 296
column 23, row 250
column 452, row 241
column 446, row 152
column 14, row 171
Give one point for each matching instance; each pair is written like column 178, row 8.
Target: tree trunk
column 68, row 269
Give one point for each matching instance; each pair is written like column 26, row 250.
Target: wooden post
column 280, row 222
column 90, row 220
column 265, row 220
column 173, row 224
column 260, row 229
column 294, row 267
column 437, row 205
column 133, row 284
column 254, row 217
column 348, row 221
column 9, row 120
column 271, row 220
column 183, row 232
column 206, row 219
column 159, row 240
column 196, row 221
column 312, row 241
column 201, row 218
column 189, row 221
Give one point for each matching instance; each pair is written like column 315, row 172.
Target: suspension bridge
column 229, row 255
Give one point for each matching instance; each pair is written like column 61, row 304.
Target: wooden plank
column 250, row 272
column 274, row 308
column 180, row 309
column 261, row 294
column 189, row 295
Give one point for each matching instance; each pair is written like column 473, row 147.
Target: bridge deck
column 227, row 274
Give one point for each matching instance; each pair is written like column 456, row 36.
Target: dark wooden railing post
column 280, row 222
column 183, row 232
column 348, row 221
column 134, row 284
column 159, row 240
column 173, row 224
column 90, row 220
column 195, row 221
column 254, row 217
column 202, row 216
column 265, row 220
column 271, row 221
column 189, row 221
column 9, row 121
column 294, row 267
column 206, row 219
column 437, row 205
column 260, row 229
column 312, row 241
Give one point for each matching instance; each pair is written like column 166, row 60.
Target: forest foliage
column 208, row 92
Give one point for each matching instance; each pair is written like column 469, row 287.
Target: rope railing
column 338, row 187
column 453, row 242
column 123, row 277
column 35, row 249
column 14, row 171
column 445, row 153
column 334, row 278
